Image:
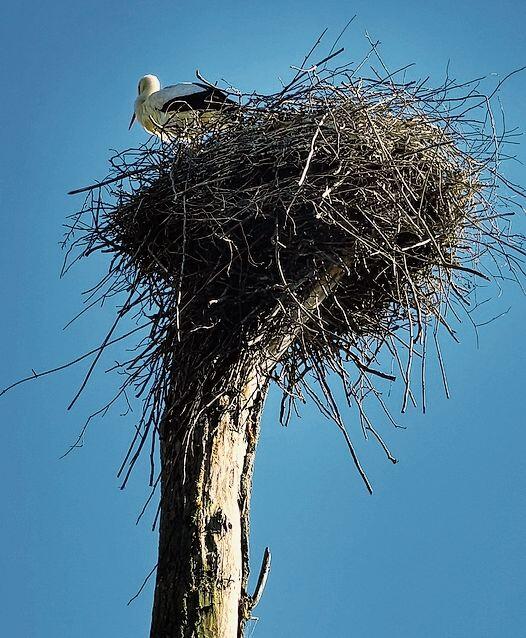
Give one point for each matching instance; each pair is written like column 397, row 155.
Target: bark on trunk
column 208, row 444
column 204, row 525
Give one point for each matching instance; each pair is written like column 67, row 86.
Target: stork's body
column 180, row 110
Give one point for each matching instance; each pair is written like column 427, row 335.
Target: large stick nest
column 384, row 192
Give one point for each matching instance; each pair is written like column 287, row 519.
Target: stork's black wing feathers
column 209, row 99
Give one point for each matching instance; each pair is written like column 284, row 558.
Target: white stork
column 178, row 110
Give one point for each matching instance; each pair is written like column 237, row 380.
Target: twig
column 262, row 579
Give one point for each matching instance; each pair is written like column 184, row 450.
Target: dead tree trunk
column 207, row 454
column 208, row 444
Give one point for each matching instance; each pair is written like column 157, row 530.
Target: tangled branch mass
column 353, row 214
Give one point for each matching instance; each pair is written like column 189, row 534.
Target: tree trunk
column 207, row 458
column 208, row 443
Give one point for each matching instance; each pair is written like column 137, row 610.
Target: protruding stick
column 262, row 579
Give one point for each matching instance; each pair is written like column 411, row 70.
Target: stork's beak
column 131, row 121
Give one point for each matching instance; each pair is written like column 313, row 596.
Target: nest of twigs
column 383, row 192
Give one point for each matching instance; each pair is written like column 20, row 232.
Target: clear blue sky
column 439, row 549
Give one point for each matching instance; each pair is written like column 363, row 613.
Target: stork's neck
column 144, row 95
column 147, row 91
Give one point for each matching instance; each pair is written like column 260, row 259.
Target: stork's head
column 148, row 84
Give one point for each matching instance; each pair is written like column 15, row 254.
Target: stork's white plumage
column 179, row 110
